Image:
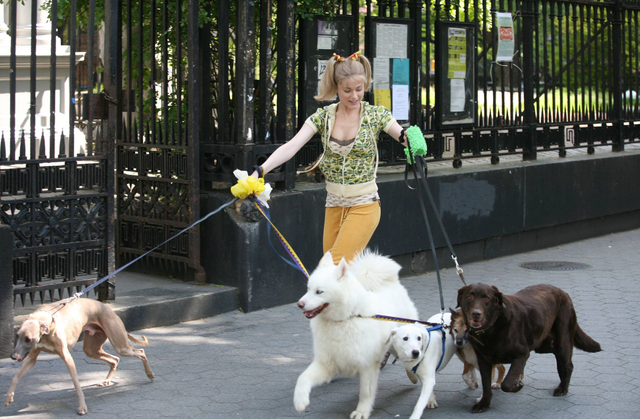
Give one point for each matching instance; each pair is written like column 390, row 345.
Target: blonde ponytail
column 338, row 69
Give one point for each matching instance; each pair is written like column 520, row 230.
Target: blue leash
column 292, row 254
column 95, row 284
column 444, row 338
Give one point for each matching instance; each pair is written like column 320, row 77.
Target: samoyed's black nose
column 415, row 354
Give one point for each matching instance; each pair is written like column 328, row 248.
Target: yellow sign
column 457, row 54
column 382, row 97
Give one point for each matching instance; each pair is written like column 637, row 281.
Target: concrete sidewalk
column 237, row 365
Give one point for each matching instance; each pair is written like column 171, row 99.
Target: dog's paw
column 472, row 384
column 516, row 387
column 560, row 391
column 495, row 385
column 432, row 404
column 480, row 407
column 105, row 383
column 82, row 410
column 357, row 414
column 8, row 400
column 300, row 402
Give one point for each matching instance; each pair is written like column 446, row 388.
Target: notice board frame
column 371, row 23
column 311, row 55
column 453, row 111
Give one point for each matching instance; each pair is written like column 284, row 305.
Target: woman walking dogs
column 349, row 131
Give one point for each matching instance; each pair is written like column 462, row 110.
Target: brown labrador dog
column 507, row 328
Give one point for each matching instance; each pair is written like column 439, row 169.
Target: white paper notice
column 457, row 95
column 391, row 40
column 506, row 40
column 322, row 66
column 326, row 42
column 400, row 102
column 380, row 72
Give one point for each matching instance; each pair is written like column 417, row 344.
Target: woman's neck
column 346, row 111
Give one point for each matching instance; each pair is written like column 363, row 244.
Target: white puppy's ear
column 342, row 269
column 391, row 335
column 44, row 328
column 327, row 260
column 426, row 336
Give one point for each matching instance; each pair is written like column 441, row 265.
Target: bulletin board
column 321, row 37
column 395, row 72
column 456, row 91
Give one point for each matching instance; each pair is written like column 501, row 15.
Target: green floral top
column 354, row 173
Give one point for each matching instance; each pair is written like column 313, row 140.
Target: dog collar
column 444, row 338
column 477, row 332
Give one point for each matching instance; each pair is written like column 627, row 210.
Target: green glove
column 417, row 143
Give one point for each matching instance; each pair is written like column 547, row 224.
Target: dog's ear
column 44, row 328
column 498, row 297
column 460, row 294
column 426, row 336
column 342, row 269
column 327, row 260
column 391, row 335
column 453, row 313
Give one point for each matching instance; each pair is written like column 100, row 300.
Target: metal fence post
column 286, row 83
column 415, row 12
column 529, row 151
column 196, row 107
column 245, row 76
column 6, row 292
column 113, row 88
column 617, row 79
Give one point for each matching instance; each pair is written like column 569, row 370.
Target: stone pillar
column 22, row 93
column 5, row 39
column 43, row 26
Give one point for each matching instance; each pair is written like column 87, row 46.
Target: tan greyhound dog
column 58, row 331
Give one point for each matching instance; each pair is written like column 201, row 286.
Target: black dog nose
column 415, row 354
column 476, row 313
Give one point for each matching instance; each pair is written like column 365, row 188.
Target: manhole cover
column 554, row 266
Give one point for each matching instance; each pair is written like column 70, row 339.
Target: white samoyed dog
column 346, row 344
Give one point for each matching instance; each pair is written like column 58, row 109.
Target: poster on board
column 506, row 41
column 456, row 102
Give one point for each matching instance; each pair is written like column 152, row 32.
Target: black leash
column 418, row 168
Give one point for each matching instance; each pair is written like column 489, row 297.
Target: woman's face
column 350, row 92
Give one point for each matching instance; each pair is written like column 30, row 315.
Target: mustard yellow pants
column 347, row 231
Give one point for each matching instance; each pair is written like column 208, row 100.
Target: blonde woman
column 349, row 131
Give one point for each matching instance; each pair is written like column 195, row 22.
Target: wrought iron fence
column 572, row 82
column 55, row 190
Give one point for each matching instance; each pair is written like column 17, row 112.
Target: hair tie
column 338, row 57
column 355, row 56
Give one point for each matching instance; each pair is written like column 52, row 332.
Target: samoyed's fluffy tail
column 374, row 271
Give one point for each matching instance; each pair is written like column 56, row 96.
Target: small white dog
column 344, row 342
column 424, row 351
